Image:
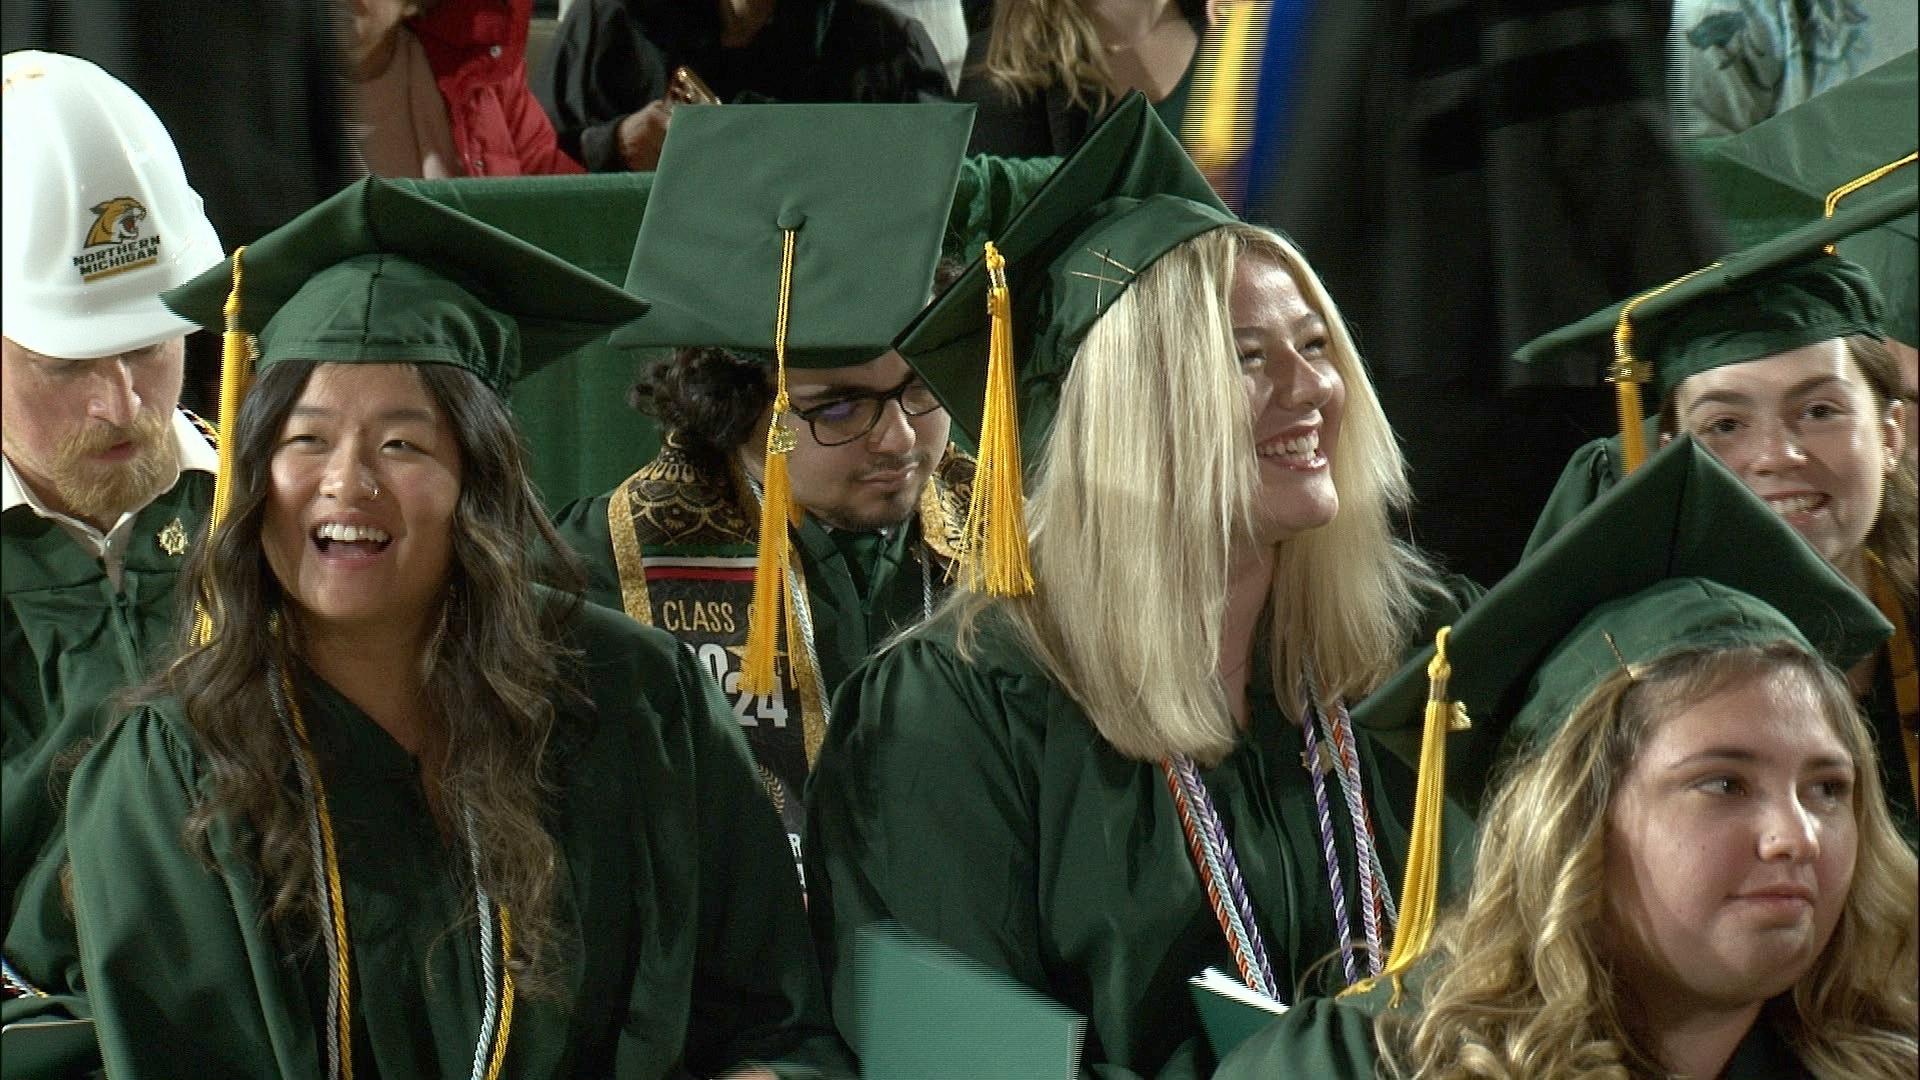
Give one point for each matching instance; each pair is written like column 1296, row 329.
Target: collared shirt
column 109, row 547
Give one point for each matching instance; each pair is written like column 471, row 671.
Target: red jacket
column 478, row 52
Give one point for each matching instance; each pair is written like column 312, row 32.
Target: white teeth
column 1300, row 446
column 1793, row 504
column 350, row 534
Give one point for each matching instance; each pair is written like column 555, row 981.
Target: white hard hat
column 99, row 219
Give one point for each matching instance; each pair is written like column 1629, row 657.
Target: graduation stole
column 1219, row 871
column 684, row 548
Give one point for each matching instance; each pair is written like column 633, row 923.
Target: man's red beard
column 102, row 491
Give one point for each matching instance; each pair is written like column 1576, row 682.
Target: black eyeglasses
column 851, row 416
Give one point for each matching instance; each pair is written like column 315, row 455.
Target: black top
column 1048, row 124
column 612, row 57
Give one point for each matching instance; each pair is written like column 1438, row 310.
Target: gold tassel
column 236, row 372
column 996, row 558
column 1420, row 894
column 1627, row 374
column 776, row 512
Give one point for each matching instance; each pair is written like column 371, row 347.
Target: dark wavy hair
column 708, row 400
column 492, row 672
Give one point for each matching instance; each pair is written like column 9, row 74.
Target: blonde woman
column 1694, row 872
column 1045, row 70
column 1213, row 576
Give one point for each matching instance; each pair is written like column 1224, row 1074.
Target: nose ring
column 374, row 491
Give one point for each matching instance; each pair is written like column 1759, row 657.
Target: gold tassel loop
column 236, row 372
column 996, row 559
column 777, row 512
column 1420, row 894
column 1858, row 182
column 1627, row 374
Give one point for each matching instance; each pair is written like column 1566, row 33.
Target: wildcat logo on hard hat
column 113, row 243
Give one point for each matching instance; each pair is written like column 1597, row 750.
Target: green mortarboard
column 867, row 189
column 377, row 274
column 1679, row 554
column 1777, row 295
column 1126, row 196
column 808, row 232
column 1833, row 139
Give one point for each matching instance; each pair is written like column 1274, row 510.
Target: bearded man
column 106, row 483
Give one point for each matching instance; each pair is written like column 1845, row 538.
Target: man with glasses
column 881, row 496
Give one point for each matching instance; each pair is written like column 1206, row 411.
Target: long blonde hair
column 1035, row 44
column 1525, row 987
column 1149, row 481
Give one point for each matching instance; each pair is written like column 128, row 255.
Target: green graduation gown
column 689, row 953
column 678, row 551
column 69, row 641
column 976, row 804
column 1334, row 1040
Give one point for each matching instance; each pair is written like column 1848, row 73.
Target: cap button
column 494, row 52
column 791, row 218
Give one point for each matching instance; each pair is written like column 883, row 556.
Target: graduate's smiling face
column 363, row 482
column 1804, row 430
column 1730, row 846
column 1295, row 393
column 846, row 473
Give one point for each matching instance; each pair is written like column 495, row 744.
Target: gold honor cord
column 1419, row 894
column 776, row 508
column 342, row 991
column 1858, row 182
column 499, row 1051
column 1627, row 374
column 337, row 925
column 996, row 558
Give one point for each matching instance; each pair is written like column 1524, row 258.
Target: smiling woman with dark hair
column 394, row 802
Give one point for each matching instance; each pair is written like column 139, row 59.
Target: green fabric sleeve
column 583, row 525
column 1327, row 1040
column 182, row 969
column 990, row 190
column 1591, row 470
column 921, row 810
column 757, row 995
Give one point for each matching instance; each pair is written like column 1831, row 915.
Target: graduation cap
column 378, row 275
column 1126, row 196
column 1679, row 555
column 1826, row 146
column 807, row 234
column 1777, row 295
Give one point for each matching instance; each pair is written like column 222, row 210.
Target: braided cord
column 1212, row 857
column 489, row 975
column 16, row 984
column 1323, row 818
column 1373, row 879
column 286, row 707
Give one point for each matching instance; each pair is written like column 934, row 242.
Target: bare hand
column 641, row 134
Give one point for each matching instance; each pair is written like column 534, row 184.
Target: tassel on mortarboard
column 236, row 372
column 777, row 513
column 996, row 559
column 1419, row 895
column 1628, row 374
